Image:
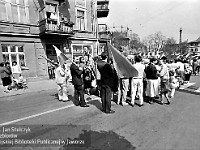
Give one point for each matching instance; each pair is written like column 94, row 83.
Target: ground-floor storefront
column 30, row 52
column 26, row 51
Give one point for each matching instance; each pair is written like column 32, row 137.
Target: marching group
column 11, row 76
column 156, row 81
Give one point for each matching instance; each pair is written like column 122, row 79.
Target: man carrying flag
column 62, row 75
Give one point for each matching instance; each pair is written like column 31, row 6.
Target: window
column 14, row 53
column 79, row 50
column 3, row 14
column 81, row 20
column 19, row 11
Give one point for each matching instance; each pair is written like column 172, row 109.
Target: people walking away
column 137, row 82
column 187, row 72
column 164, row 81
column 122, row 91
column 107, row 82
column 77, row 80
column 152, row 80
column 5, row 77
column 61, row 77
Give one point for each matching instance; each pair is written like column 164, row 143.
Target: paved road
column 174, row 126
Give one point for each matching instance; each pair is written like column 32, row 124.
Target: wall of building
column 28, row 35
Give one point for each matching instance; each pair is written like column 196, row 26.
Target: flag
column 187, row 55
column 49, row 60
column 122, row 65
column 60, row 56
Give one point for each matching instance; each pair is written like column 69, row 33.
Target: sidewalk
column 34, row 86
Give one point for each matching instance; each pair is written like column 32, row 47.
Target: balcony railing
column 104, row 35
column 49, row 26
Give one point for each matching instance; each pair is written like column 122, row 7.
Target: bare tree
column 170, row 48
column 155, row 42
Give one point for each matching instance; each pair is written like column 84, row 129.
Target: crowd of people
column 157, row 80
column 11, row 76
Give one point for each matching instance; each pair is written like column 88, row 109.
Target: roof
column 197, row 40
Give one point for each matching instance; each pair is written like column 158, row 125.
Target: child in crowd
column 173, row 82
column 20, row 83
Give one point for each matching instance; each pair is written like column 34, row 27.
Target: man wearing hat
column 107, row 82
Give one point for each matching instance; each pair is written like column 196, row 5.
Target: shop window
column 13, row 53
column 82, row 50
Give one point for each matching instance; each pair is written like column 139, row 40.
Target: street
column 175, row 126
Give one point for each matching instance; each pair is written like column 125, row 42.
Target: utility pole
column 180, row 40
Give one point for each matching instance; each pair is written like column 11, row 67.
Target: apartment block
column 30, row 28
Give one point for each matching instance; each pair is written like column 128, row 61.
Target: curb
column 32, row 90
column 24, row 92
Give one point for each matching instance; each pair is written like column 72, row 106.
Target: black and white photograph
column 99, row 75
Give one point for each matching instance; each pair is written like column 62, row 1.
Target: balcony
column 51, row 26
column 104, row 35
column 102, row 8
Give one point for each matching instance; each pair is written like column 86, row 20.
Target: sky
column 146, row 17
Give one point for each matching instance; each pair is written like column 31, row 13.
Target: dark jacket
column 107, row 74
column 76, row 74
column 4, row 72
column 151, row 72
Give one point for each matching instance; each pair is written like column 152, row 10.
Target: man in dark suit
column 77, row 80
column 107, row 82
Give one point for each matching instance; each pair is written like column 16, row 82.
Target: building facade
column 19, row 35
column 194, row 47
column 30, row 28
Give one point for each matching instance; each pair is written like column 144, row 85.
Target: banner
column 122, row 65
column 61, row 57
column 49, row 60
